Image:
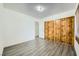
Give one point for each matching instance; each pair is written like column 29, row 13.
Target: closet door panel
column 57, row 30
column 51, row 30
column 63, row 30
column 67, row 30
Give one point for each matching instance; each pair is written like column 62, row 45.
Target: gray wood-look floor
column 39, row 47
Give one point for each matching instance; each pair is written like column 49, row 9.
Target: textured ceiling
column 50, row 8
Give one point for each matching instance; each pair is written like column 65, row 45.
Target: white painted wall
column 53, row 17
column 41, row 29
column 15, row 27
column 18, row 27
column 1, row 29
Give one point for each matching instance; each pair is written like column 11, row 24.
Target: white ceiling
column 50, row 8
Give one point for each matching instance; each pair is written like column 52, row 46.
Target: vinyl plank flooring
column 39, row 47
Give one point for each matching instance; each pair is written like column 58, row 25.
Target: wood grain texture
column 39, row 47
column 60, row 30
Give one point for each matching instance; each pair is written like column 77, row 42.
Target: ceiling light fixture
column 40, row 8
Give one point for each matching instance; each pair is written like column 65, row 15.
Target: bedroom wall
column 16, row 27
column 1, row 30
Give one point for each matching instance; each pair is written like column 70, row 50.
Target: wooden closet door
column 51, row 30
column 46, row 30
column 60, row 30
column 70, row 30
column 67, row 30
column 63, row 30
column 57, row 29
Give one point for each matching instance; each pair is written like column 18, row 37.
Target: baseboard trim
column 17, row 43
